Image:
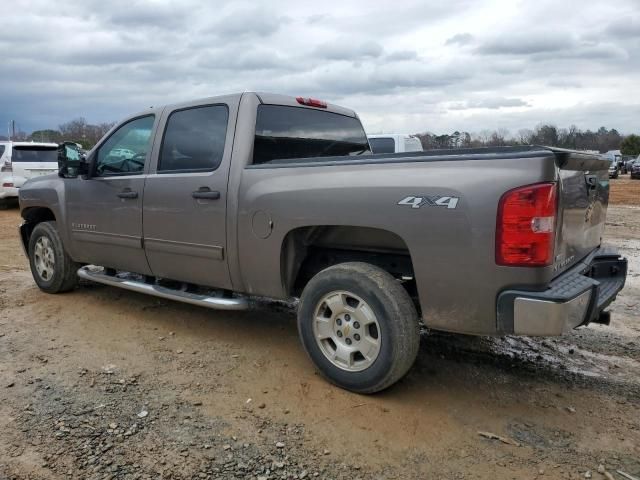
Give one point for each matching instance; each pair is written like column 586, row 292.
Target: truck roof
column 265, row 98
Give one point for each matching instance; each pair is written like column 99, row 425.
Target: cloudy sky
column 408, row 66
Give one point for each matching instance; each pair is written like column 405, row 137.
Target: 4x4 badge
column 430, row 200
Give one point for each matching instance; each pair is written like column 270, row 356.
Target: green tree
column 45, row 136
column 631, row 145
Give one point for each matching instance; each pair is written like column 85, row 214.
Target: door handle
column 128, row 194
column 206, row 193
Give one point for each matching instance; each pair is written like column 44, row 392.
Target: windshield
column 34, row 154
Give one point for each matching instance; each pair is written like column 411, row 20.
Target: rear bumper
column 577, row 297
column 8, row 192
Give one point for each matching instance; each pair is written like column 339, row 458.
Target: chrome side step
column 96, row 274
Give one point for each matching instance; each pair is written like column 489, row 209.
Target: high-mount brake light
column 525, row 227
column 311, row 102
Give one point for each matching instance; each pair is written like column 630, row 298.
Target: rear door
column 30, row 161
column 584, row 197
column 185, row 196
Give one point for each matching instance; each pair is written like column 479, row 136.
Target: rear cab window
column 34, row 154
column 284, row 133
column 382, row 145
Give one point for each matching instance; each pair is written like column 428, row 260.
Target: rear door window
column 194, row 139
column 302, row 133
column 34, row 154
column 382, row 145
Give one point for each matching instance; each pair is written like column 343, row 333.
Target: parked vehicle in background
column 634, row 169
column 272, row 196
column 627, row 160
column 613, row 169
column 20, row 161
column 394, row 143
column 614, row 156
column 122, row 153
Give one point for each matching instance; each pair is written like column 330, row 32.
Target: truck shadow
column 271, row 325
column 567, row 360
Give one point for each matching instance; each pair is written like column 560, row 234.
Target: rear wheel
column 51, row 267
column 359, row 326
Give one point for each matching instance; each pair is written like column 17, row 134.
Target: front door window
column 125, row 152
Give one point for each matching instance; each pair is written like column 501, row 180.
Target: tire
column 51, row 267
column 368, row 303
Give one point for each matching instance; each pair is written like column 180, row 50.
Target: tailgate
column 583, row 200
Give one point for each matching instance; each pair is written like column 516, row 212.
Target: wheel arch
column 33, row 216
column 307, row 250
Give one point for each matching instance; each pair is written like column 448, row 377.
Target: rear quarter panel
column 452, row 250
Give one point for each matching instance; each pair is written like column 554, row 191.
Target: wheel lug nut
column 347, row 317
column 339, row 322
column 339, row 333
column 356, row 337
column 348, row 341
column 356, row 324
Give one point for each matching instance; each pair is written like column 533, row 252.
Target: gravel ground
column 103, row 383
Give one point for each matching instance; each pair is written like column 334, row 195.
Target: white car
column 394, row 143
column 20, row 161
column 122, row 153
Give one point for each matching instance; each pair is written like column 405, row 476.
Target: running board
column 96, row 274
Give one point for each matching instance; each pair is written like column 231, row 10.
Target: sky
column 405, row 66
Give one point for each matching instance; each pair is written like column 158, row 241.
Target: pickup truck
column 230, row 198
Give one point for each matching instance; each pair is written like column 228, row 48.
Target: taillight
column 6, row 167
column 311, row 102
column 525, row 230
column 7, row 184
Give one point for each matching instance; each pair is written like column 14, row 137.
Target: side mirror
column 71, row 161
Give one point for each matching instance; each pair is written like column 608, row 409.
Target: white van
column 20, row 161
column 394, row 143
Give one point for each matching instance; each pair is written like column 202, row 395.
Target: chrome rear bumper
column 577, row 297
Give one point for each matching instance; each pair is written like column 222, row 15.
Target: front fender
column 44, row 193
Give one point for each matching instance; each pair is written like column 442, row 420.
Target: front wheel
column 52, row 268
column 359, row 326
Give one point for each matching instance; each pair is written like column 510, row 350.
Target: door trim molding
column 184, row 248
column 116, row 239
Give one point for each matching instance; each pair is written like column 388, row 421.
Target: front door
column 105, row 211
column 185, row 197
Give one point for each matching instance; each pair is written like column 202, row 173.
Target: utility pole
column 13, row 129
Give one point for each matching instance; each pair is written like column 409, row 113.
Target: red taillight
column 7, row 184
column 311, row 102
column 525, row 230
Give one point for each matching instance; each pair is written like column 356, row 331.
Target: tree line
column 77, row 130
column 601, row 140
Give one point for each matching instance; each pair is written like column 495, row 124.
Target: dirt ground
column 104, row 383
column 625, row 191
